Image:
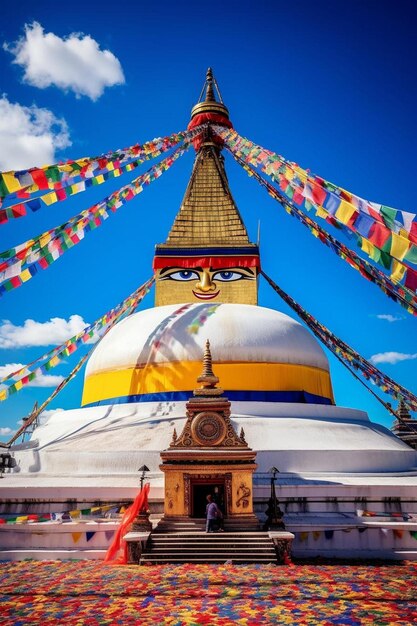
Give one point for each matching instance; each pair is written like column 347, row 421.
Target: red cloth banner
column 117, row 552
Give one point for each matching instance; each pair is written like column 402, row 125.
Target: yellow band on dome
column 182, row 375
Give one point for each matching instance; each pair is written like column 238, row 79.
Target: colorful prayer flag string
column 388, row 236
column 23, row 262
column 55, row 356
column 72, row 344
column 347, row 354
column 398, row 293
column 114, row 169
column 57, row 182
column 67, row 516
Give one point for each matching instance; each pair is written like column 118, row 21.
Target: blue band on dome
column 300, row 397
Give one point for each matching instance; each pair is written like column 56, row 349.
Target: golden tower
column 207, row 256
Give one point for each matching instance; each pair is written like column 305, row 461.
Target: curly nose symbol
column 205, row 283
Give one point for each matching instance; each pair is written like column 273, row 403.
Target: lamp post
column 274, row 513
column 143, row 469
column 274, row 471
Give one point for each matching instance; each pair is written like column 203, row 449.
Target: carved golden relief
column 243, row 496
column 208, row 429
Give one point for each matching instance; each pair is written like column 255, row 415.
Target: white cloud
column 46, row 380
column 31, row 333
column 43, row 380
column 74, row 63
column 6, row 431
column 391, row 357
column 9, row 368
column 45, row 415
column 389, row 318
column 29, row 136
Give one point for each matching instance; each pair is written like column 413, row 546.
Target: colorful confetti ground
column 90, row 593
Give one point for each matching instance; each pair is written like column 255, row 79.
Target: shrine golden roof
column 208, row 214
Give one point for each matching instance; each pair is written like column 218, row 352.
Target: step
column 203, row 533
column 148, row 558
column 215, row 548
column 185, row 541
column 208, row 542
column 184, row 523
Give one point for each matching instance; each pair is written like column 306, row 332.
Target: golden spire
column 208, row 213
column 208, row 379
column 210, row 104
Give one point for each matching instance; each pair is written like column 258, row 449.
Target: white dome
column 258, row 354
column 237, row 332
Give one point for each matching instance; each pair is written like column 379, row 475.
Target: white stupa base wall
column 117, row 439
column 332, row 461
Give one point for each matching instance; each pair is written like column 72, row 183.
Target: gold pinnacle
column 210, row 92
column 208, row 379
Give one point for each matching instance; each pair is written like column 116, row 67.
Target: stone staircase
column 184, row 540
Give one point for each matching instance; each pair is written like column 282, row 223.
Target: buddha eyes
column 184, row 275
column 223, row 276
column 226, row 276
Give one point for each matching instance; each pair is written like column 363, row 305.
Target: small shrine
column 208, row 457
column 405, row 427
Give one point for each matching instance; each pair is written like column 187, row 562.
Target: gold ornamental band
column 182, row 375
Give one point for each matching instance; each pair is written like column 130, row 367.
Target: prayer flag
column 411, row 279
column 34, row 204
column 411, row 254
column 379, row 235
column 39, row 178
column 363, row 224
column 389, row 215
column 10, row 181
column 399, row 246
column 50, row 198
column 345, row 211
column 25, row 275
column 332, row 203
column 398, row 271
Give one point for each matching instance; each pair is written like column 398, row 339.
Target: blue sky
column 330, row 85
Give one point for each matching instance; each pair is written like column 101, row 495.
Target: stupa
column 334, row 463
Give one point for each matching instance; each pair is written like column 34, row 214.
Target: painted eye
column 183, row 275
column 226, row 276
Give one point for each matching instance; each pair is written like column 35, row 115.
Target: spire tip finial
column 210, row 103
column 210, row 96
column 208, row 379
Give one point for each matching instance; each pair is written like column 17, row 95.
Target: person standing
column 212, row 512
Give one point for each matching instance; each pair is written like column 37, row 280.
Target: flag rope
column 386, row 235
column 55, row 356
column 21, row 263
column 396, row 292
column 347, row 353
column 23, row 184
column 132, row 302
